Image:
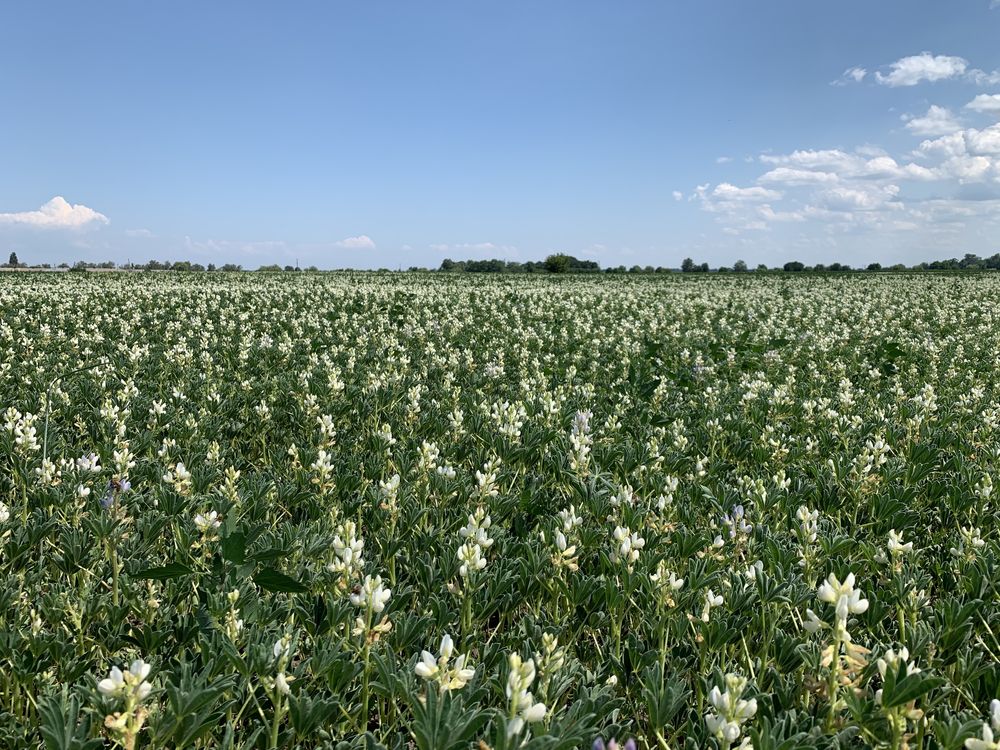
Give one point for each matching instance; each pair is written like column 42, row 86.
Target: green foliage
column 264, row 497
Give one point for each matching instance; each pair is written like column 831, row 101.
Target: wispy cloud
column 851, row 75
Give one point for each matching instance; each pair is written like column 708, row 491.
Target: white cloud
column 678, row 195
column 361, row 242
column 56, row 214
column 967, row 168
column 970, row 141
column 770, row 214
column 723, row 159
column 727, row 192
column 792, row 176
column 985, row 103
column 144, row 233
column 855, row 74
column 909, row 71
column 937, row 121
column 949, row 145
column 833, row 160
column 982, row 78
column 865, row 198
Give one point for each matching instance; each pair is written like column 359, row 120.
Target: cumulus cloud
column 937, row 121
column 361, row 242
column 726, row 192
column 985, row 103
column 867, row 198
column 971, row 141
column 792, row 176
column 909, row 71
column 678, row 195
column 58, row 213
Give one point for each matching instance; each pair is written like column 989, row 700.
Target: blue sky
column 395, row 134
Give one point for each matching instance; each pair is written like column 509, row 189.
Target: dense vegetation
column 556, row 263
column 361, row 510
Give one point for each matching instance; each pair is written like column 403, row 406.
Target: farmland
column 414, row 510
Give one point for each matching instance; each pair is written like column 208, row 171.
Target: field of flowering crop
column 414, row 511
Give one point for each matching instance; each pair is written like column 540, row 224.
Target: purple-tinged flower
column 115, row 488
column 613, row 745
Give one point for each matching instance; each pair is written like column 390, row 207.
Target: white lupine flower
column 4, row 512
column 132, row 681
column 208, row 521
column 892, row 659
column 808, row 522
column 470, row 555
column 730, row 710
column 179, row 478
column 989, row 731
column 449, row 677
column 896, row 545
column 843, row 596
column 665, row 577
column 812, row 623
column 372, row 594
column 282, row 648
column 523, row 708
column 971, row 542
column 348, row 547
column 628, row 544
column 711, row 600
column 569, row 519
column 281, row 681
column 89, row 463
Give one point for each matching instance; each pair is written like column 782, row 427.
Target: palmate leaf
column 442, row 722
column 194, row 706
column 61, row 726
column 900, row 688
column 164, row 573
column 270, row 579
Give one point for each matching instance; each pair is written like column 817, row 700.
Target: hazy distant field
column 692, row 511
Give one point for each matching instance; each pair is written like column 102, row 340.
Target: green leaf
column 270, row 579
column 171, row 570
column 234, row 547
column 907, row 689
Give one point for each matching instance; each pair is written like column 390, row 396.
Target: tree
column 12, row 262
column 740, row 266
column 793, row 265
column 558, row 263
column 688, row 265
column 874, row 267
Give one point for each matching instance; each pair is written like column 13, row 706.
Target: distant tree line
column 557, row 263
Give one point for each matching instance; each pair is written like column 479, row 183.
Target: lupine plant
column 419, row 511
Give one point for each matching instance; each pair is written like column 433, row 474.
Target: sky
column 392, row 134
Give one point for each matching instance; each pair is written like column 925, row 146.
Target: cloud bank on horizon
column 867, row 189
